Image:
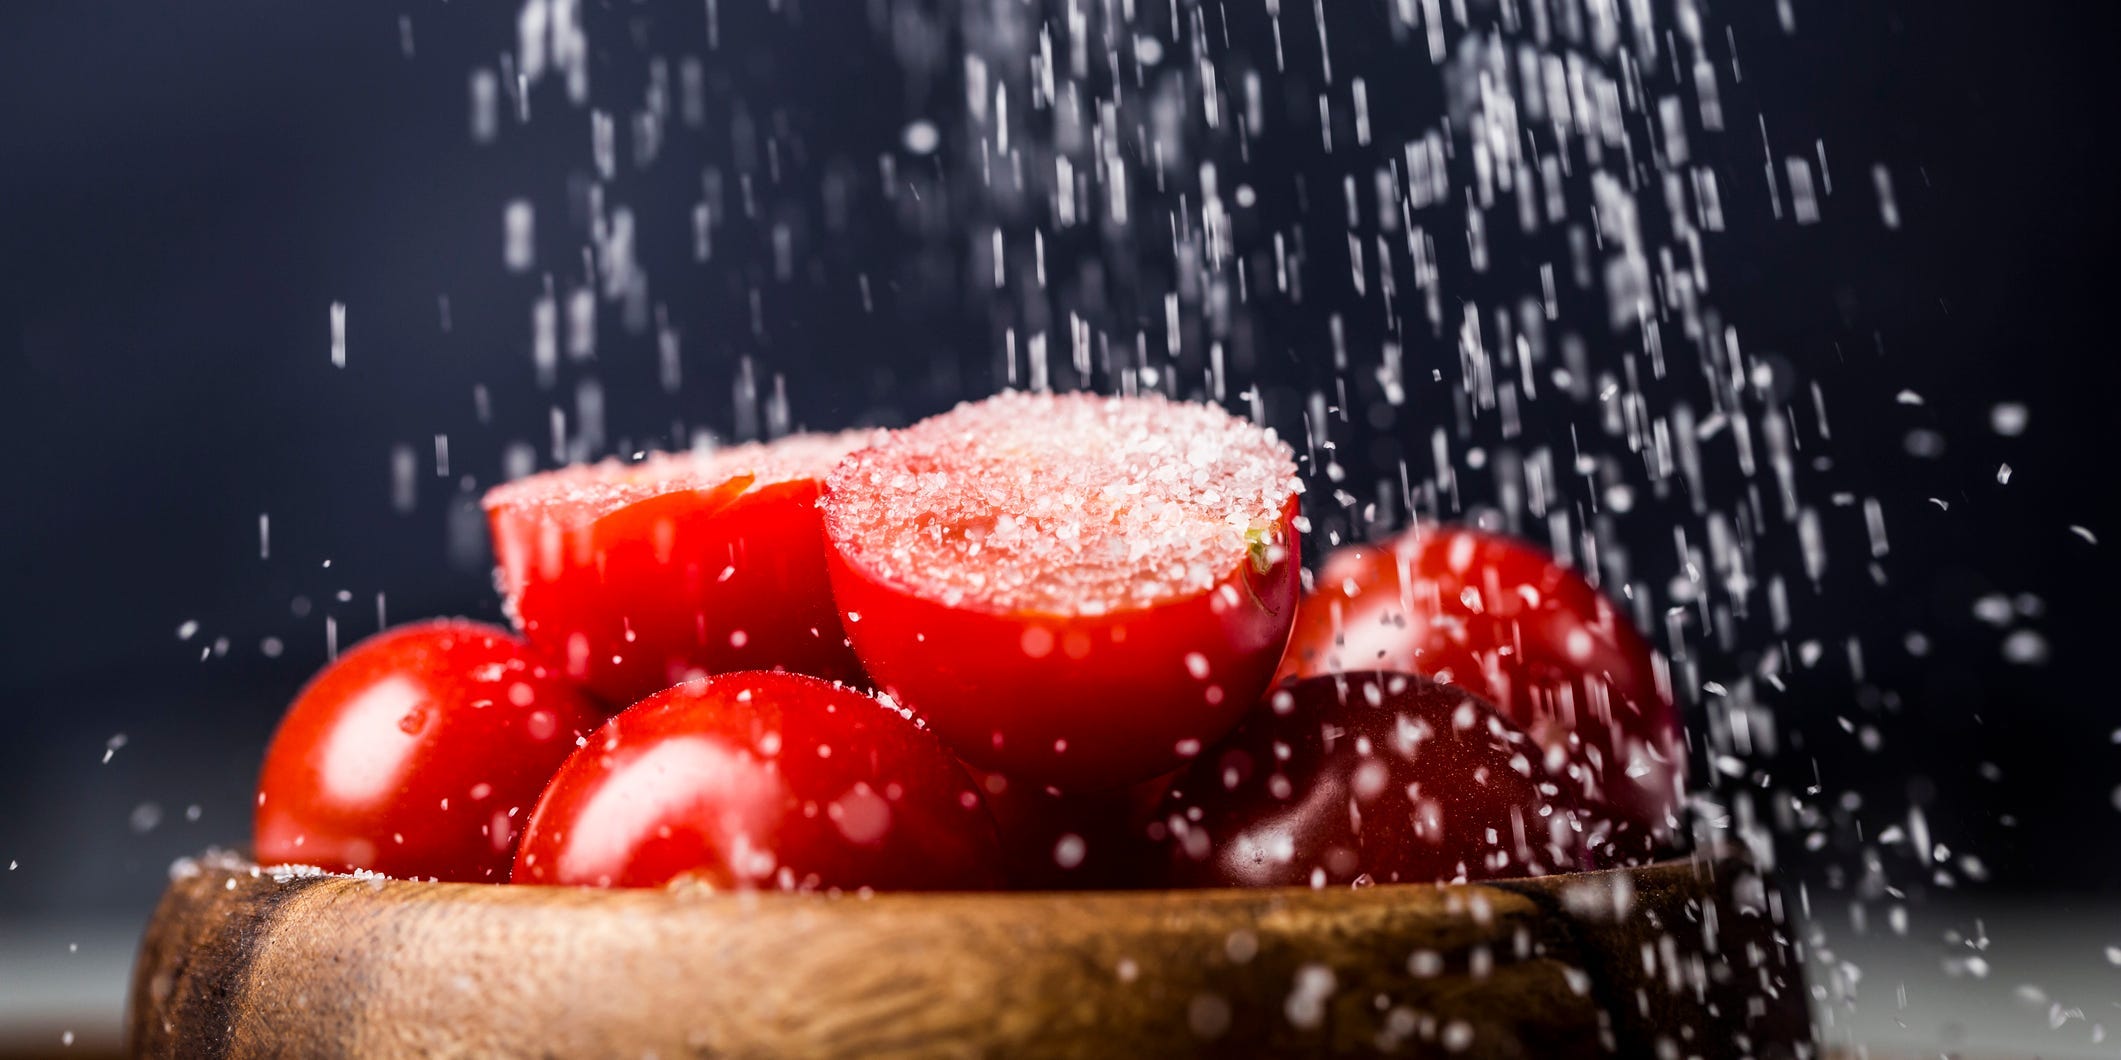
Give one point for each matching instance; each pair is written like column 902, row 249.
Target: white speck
column 338, row 334
column 1306, row 1006
column 1457, row 1036
column 920, row 137
column 2085, row 533
column 2008, row 419
column 188, row 630
column 1068, row 853
column 145, row 817
column 1208, row 1015
column 2025, row 647
column 112, row 746
column 519, row 246
column 2003, row 474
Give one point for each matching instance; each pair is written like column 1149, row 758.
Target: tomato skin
column 1507, row 622
column 1081, row 702
column 1390, row 776
column 1074, row 841
column 761, row 780
column 686, row 583
column 418, row 753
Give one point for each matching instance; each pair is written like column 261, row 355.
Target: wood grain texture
column 1684, row 954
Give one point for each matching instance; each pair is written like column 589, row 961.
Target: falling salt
column 519, row 236
column 1068, row 852
column 404, row 475
column 338, row 334
column 920, row 137
column 1306, row 1003
column 1208, row 1015
column 2025, row 647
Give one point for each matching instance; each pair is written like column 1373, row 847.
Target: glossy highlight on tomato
column 1384, row 778
column 418, row 753
column 635, row 576
column 759, row 780
column 1508, row 622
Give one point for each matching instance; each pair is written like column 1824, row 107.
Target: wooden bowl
column 1688, row 954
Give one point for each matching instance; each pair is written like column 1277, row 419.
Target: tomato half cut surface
column 1505, row 620
column 635, row 576
column 1393, row 778
column 418, row 753
column 1075, row 591
column 762, row 781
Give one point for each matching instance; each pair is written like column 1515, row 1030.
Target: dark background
column 186, row 188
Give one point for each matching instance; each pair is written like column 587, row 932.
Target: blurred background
column 200, row 502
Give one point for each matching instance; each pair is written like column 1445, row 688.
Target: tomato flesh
column 1075, row 592
column 634, row 577
column 418, row 753
column 1390, row 777
column 761, row 780
column 1506, row 621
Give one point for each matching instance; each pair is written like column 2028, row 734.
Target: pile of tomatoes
column 1036, row 641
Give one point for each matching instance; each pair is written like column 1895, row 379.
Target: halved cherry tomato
column 1392, row 777
column 418, row 753
column 1507, row 622
column 636, row 576
column 1074, row 591
column 761, row 780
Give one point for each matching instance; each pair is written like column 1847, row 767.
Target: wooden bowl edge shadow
column 240, row 962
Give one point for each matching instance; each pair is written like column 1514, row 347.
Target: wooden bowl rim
column 1702, row 863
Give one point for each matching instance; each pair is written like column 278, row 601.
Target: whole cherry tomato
column 1506, row 621
column 761, row 780
column 1075, row 591
column 636, row 576
column 1056, row 840
column 1392, row 777
column 418, row 753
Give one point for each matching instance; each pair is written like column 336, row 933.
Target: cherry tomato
column 418, row 753
column 1393, row 777
column 1506, row 621
column 761, row 780
column 1069, row 841
column 636, row 576
column 1075, row 591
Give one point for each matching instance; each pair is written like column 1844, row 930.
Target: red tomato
column 417, row 754
column 1074, row 591
column 1390, row 776
column 637, row 576
column 1506, row 621
column 1070, row 841
column 767, row 780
